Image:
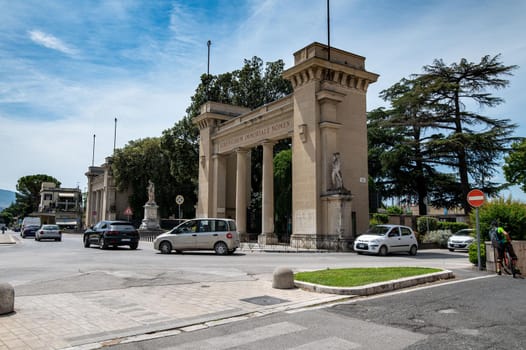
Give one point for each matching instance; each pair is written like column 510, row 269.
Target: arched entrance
column 326, row 119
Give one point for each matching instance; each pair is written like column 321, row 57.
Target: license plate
column 125, row 239
column 362, row 246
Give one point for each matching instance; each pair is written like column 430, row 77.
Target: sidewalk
column 85, row 320
column 6, row 238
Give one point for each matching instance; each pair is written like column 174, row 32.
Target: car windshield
column 463, row 233
column 378, row 230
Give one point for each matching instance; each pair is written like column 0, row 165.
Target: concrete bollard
column 7, row 298
column 283, row 278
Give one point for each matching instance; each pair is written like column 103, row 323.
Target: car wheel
column 221, row 248
column 451, row 249
column 36, row 238
column 413, row 250
column 86, row 242
column 178, row 251
column 382, row 251
column 134, row 246
column 165, row 247
column 102, row 243
column 232, row 251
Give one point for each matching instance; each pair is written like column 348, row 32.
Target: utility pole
column 114, row 136
column 208, row 43
column 328, row 32
column 93, row 155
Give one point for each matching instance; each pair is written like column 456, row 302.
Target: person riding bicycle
column 502, row 241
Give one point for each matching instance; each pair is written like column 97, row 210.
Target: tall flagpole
column 328, row 33
column 93, row 155
column 115, row 136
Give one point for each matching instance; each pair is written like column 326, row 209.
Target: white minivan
column 216, row 234
column 385, row 239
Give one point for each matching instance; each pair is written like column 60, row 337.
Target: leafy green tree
column 28, row 192
column 180, row 146
column 140, row 161
column 472, row 143
column 429, row 130
column 515, row 164
column 511, row 214
column 283, row 189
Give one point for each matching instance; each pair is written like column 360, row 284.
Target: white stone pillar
column 241, row 192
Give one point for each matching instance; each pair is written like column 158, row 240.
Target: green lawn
column 352, row 277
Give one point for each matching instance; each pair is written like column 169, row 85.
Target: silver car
column 48, row 232
column 216, row 234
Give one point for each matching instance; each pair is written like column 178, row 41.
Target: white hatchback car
column 384, row 239
column 460, row 240
column 216, row 234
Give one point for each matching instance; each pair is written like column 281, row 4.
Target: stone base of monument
column 151, row 217
column 7, row 298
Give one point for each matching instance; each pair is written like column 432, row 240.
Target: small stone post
column 7, row 298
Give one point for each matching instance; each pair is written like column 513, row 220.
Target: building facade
column 62, row 206
column 103, row 202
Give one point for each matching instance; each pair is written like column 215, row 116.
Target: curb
column 377, row 288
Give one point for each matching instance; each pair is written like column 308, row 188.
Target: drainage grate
column 265, row 300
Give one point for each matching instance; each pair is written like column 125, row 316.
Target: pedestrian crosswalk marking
column 242, row 338
column 331, row 343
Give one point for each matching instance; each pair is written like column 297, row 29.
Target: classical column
column 267, row 227
column 241, row 192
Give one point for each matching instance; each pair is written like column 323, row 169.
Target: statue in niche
column 336, row 173
column 151, row 192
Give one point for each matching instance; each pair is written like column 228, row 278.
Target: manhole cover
column 265, row 300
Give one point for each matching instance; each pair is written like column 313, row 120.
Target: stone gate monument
column 326, row 119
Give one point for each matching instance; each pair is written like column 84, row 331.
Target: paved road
column 90, row 296
column 484, row 313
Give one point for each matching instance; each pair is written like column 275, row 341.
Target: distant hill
column 6, row 198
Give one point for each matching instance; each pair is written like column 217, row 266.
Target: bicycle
column 507, row 263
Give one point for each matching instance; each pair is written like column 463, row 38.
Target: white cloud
column 51, row 42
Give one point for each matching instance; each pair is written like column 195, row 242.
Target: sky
column 69, row 68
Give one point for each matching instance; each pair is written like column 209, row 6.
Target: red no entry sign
column 476, row 198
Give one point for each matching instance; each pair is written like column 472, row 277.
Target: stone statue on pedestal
column 151, row 217
column 151, row 192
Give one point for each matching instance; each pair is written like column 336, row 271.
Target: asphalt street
column 89, row 298
column 482, row 313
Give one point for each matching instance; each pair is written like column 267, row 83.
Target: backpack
column 494, row 237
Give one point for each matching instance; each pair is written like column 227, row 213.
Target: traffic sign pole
column 476, row 198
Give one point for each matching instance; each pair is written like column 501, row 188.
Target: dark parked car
column 29, row 230
column 112, row 234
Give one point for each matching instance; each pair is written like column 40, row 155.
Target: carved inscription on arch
column 254, row 135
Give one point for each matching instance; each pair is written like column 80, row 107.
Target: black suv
column 112, row 233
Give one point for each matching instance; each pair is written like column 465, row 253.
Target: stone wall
column 518, row 246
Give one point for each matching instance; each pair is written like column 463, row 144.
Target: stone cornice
column 317, row 69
